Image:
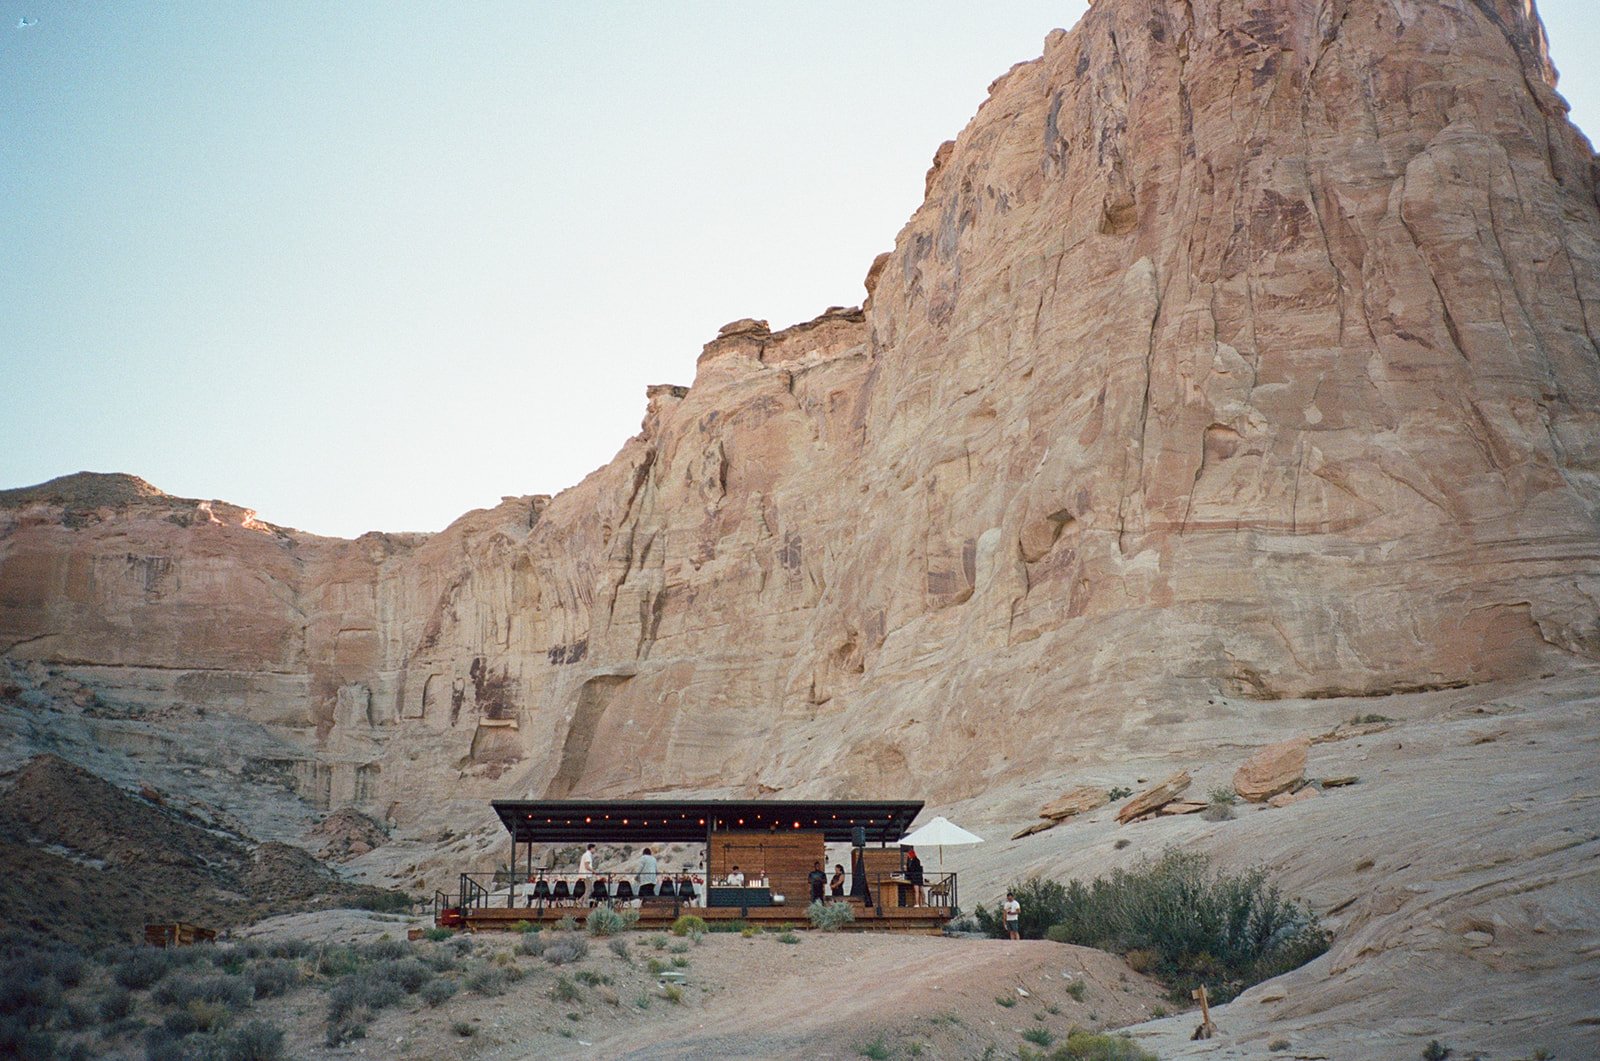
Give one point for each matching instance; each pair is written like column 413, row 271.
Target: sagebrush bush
column 564, row 990
column 568, row 923
column 619, row 947
column 604, row 921
column 438, row 991
column 335, row 960
column 288, row 948
column 567, row 949
column 688, row 923
column 142, row 968
column 532, row 945
column 1228, row 931
column 488, row 980
column 385, row 950
column 829, row 917
column 273, row 977
column 437, row 933
column 229, row 991
column 1090, row 1046
column 255, row 1041
column 361, row 993
column 409, row 973
column 115, row 1004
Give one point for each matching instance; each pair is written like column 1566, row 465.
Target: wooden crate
column 177, row 934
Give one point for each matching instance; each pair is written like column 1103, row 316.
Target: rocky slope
column 1237, row 369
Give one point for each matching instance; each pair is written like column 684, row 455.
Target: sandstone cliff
column 1239, row 353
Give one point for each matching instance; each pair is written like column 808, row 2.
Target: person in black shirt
column 819, row 881
column 914, row 872
column 837, row 884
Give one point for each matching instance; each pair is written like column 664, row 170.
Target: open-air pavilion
column 774, row 843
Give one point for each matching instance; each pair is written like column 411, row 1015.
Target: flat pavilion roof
column 666, row 821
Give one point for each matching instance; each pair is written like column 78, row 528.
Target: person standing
column 647, row 874
column 914, row 875
column 837, row 884
column 1011, row 914
column 819, row 882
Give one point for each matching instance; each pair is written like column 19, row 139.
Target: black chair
column 668, row 889
column 561, row 894
column 601, row 891
column 624, row 891
column 686, row 890
column 577, row 891
column 541, row 890
column 647, row 891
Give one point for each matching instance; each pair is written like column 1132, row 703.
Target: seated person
column 735, row 878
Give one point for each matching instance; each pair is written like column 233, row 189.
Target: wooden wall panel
column 786, row 858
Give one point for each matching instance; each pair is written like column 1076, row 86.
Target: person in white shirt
column 647, row 873
column 586, row 862
column 1012, row 912
column 735, row 878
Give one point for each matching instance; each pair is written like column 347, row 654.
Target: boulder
column 1283, row 799
column 1036, row 827
column 1153, row 799
column 1080, row 800
column 1274, row 769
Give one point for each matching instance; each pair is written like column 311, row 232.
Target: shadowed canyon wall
column 1239, row 353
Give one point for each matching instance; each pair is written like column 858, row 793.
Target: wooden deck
column 660, row 915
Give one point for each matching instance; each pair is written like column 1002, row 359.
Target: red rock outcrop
column 1238, row 351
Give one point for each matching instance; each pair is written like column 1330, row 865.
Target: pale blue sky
column 370, row 265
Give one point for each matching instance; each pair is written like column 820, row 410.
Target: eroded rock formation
column 1239, row 352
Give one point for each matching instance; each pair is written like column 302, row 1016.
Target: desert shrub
column 604, row 921
column 524, row 927
column 287, row 948
column 161, row 1044
column 336, row 960
column 680, row 962
column 383, row 901
column 678, row 948
column 655, row 966
column 1077, row 989
column 409, row 973
column 181, row 1022
column 463, row 1029
column 1435, row 1050
column 564, row 990
column 568, row 923
column 619, row 947
column 228, row 991
column 77, row 1015
column 362, row 993
column 1005, row 1000
column 877, row 1050
column 1039, row 1036
column 672, row 993
column 384, row 950
column 143, row 967
column 488, row 980
column 438, row 991
column 591, row 977
column 273, row 977
column 344, row 1031
column 255, row 1041
column 437, row 933
column 735, row 925
column 1360, row 720
column 531, row 945
column 829, row 917
column 1118, row 792
column 66, row 967
column 782, row 937
column 31, row 1000
column 115, row 1004
column 1090, row 1046
column 688, row 923
column 1227, row 930
column 567, row 949
column 439, row 959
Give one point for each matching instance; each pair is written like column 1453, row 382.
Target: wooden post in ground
column 1207, row 1029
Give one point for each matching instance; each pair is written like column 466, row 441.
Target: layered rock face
column 1240, row 353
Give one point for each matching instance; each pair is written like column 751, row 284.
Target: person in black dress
column 837, row 884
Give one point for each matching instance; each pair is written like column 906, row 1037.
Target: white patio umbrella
column 940, row 833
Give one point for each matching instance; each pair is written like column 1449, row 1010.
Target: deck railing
column 937, row 891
